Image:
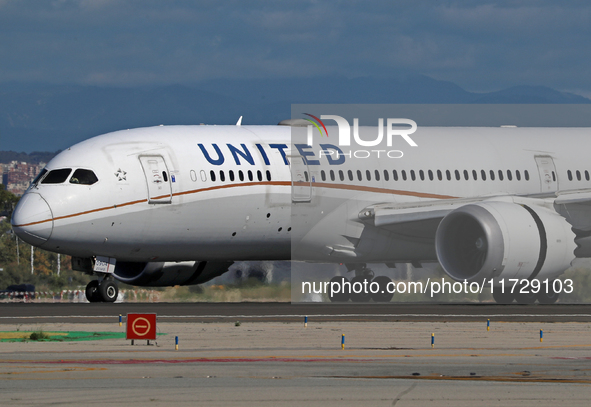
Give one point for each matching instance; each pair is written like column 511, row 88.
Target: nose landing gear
column 105, row 290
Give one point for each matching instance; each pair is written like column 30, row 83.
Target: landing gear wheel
column 502, row 298
column 365, row 272
column 525, row 298
column 340, row 296
column 92, row 294
column 547, row 297
column 108, row 290
column 382, row 295
column 360, row 292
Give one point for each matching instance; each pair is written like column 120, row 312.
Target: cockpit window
column 83, row 177
column 57, row 176
column 39, row 176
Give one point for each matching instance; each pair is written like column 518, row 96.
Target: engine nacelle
column 155, row 274
column 496, row 239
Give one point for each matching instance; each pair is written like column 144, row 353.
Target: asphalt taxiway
column 271, row 359
column 287, row 312
column 278, row 363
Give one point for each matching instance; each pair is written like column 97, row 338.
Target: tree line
column 35, row 157
column 15, row 258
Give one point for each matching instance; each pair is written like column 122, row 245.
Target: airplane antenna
column 239, row 122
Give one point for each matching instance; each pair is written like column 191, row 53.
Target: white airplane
column 176, row 205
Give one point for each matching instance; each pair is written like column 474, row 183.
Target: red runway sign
column 141, row 326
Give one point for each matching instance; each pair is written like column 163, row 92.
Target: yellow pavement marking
column 21, row 334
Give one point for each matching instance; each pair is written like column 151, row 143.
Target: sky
column 479, row 45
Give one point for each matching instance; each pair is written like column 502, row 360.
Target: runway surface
column 271, row 359
column 287, row 312
column 287, row 364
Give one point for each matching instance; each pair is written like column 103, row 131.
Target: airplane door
column 547, row 170
column 157, row 178
column 301, row 182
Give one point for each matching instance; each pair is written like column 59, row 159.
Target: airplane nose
column 32, row 219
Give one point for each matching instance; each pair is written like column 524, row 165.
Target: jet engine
column 160, row 274
column 498, row 239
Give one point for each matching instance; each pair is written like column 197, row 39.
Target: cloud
column 479, row 45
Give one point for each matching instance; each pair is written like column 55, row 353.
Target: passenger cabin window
column 260, row 175
column 395, row 175
column 403, row 172
column 350, row 174
column 323, row 175
column 500, row 175
column 509, row 176
column 586, row 175
column 231, row 173
column 359, row 176
column 57, row 176
column 377, row 175
column 518, row 175
column 83, row 177
column 483, row 175
column 457, row 175
column 474, row 175
column 569, row 173
column 341, row 175
column 332, row 175
column 578, row 175
column 241, row 175
column 368, row 175
column 492, row 175
column 212, row 175
column 386, row 175
column 413, row 176
column 526, row 173
column 448, row 175
column 268, row 175
column 250, row 177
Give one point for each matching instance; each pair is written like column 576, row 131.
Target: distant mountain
column 530, row 94
column 410, row 89
column 43, row 117
column 54, row 117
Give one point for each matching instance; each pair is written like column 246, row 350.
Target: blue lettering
column 340, row 155
column 281, row 148
column 265, row 158
column 220, row 159
column 306, row 154
column 244, row 154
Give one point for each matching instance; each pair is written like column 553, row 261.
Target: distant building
column 17, row 176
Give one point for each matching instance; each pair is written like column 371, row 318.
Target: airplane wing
column 580, row 196
column 418, row 220
column 575, row 206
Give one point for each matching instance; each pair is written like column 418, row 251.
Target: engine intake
column 496, row 239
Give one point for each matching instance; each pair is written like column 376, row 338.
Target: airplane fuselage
column 174, row 193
